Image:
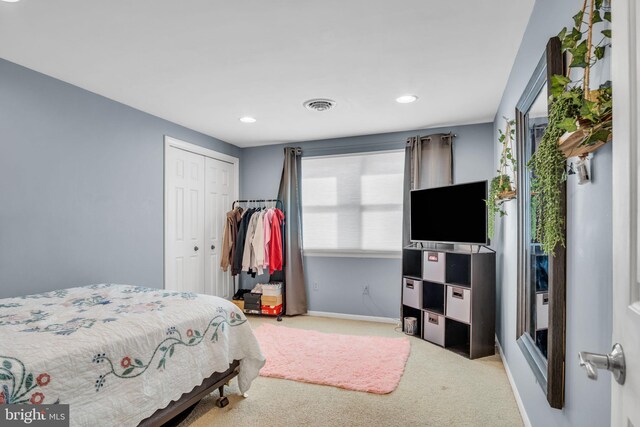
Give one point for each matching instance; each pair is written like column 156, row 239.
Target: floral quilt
column 117, row 353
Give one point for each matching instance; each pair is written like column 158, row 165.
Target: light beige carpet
column 438, row 388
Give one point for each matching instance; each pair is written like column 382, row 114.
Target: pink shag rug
column 362, row 363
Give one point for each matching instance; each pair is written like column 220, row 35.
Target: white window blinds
column 353, row 203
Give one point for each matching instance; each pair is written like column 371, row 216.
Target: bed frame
column 179, row 409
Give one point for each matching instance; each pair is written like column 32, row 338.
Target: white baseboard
column 523, row 411
column 353, row 317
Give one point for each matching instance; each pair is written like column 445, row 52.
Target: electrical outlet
column 365, row 290
column 315, row 286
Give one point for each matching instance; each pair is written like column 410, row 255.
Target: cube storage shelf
column 452, row 294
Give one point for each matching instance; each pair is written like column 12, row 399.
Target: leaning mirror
column 541, row 281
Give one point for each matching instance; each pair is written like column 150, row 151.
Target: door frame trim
column 171, row 142
column 624, row 68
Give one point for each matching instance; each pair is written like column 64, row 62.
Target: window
column 352, row 204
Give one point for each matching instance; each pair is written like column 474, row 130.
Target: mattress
column 117, row 353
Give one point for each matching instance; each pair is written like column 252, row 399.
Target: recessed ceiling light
column 247, row 119
column 11, row 1
column 406, row 99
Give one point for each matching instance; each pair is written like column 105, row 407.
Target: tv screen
column 451, row 214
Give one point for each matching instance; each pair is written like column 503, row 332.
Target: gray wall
column 81, row 186
column 589, row 265
column 341, row 279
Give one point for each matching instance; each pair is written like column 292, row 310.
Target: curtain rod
column 450, row 135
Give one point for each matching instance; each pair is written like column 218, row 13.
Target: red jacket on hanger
column 275, row 245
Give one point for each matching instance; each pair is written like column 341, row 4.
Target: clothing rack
column 281, row 207
column 278, row 274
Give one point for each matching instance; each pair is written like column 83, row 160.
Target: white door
column 184, row 264
column 625, row 405
column 218, row 186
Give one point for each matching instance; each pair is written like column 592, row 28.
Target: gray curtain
column 289, row 193
column 428, row 162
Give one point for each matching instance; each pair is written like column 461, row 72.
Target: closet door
column 185, row 177
column 218, row 189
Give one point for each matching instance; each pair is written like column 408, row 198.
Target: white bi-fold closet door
column 199, row 190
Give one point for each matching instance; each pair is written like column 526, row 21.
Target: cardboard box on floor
column 271, row 300
column 274, row 311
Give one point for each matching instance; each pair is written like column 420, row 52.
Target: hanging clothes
column 229, row 238
column 236, row 266
column 268, row 215
column 246, row 255
column 275, row 245
column 253, row 241
column 236, row 224
column 257, row 245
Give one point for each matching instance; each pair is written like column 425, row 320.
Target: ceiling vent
column 319, row 104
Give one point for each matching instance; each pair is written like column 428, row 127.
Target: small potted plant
column 503, row 186
column 588, row 126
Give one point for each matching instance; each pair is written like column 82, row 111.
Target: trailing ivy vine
column 495, row 206
column 548, row 164
column 502, row 187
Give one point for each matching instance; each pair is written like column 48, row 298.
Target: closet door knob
column 213, row 247
column 195, row 248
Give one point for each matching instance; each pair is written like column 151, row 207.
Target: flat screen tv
column 451, row 214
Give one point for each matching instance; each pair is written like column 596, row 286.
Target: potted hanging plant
column 502, row 187
column 590, row 124
column 580, row 121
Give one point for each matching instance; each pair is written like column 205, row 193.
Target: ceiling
column 206, row 63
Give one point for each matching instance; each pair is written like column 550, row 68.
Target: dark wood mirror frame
column 551, row 379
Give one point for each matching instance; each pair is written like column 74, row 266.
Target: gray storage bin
column 433, row 266
column 412, row 293
column 433, row 328
column 252, row 299
column 458, row 304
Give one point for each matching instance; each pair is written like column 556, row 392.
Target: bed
column 122, row 355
